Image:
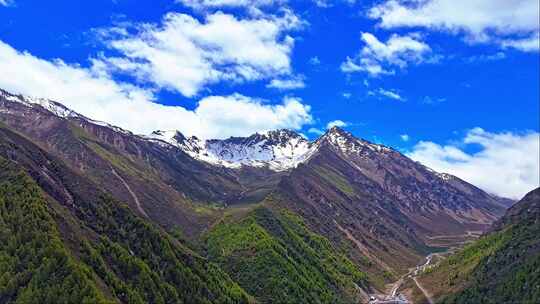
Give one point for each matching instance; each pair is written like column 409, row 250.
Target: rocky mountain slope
column 362, row 213
column 380, row 205
column 157, row 181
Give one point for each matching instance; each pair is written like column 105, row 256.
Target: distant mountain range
column 265, row 218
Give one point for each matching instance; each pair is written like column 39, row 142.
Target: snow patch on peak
column 49, row 105
column 278, row 150
column 349, row 144
column 56, row 109
column 166, row 136
column 443, row 176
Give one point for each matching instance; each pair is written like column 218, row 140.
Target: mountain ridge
column 384, row 168
column 235, row 151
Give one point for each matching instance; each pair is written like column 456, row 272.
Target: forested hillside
column 273, row 255
column 501, row 267
column 35, row 265
column 94, row 253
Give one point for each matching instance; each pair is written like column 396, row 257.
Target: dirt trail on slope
column 135, row 198
column 424, row 291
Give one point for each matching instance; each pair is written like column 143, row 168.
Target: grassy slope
column 272, row 254
column 376, row 225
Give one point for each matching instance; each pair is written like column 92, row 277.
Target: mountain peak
column 348, row 143
column 54, row 107
column 283, row 133
column 279, row 150
column 337, row 132
column 336, row 129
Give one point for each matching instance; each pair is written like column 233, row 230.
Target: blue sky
column 400, row 73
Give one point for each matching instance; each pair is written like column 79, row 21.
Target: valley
column 402, row 291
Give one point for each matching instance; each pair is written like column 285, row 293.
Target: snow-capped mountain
column 279, row 150
column 49, row 105
column 54, row 107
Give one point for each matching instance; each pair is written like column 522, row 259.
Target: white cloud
column 185, row 55
column 315, row 131
column 506, row 165
column 373, row 68
column 6, row 2
column 314, row 60
column 346, row 95
column 529, row 44
column 96, row 95
column 480, row 20
column 330, row 3
column 432, row 100
column 336, row 123
column 322, row 3
column 206, row 4
column 404, row 137
column 386, row 93
column 484, row 57
column 290, row 83
column 238, row 115
column 380, row 58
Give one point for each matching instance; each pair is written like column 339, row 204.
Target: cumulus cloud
column 241, row 116
column 404, row 137
column 96, row 95
column 480, row 20
column 184, row 54
column 391, row 94
column 380, row 58
column 507, row 163
column 336, row 123
column 6, row 2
